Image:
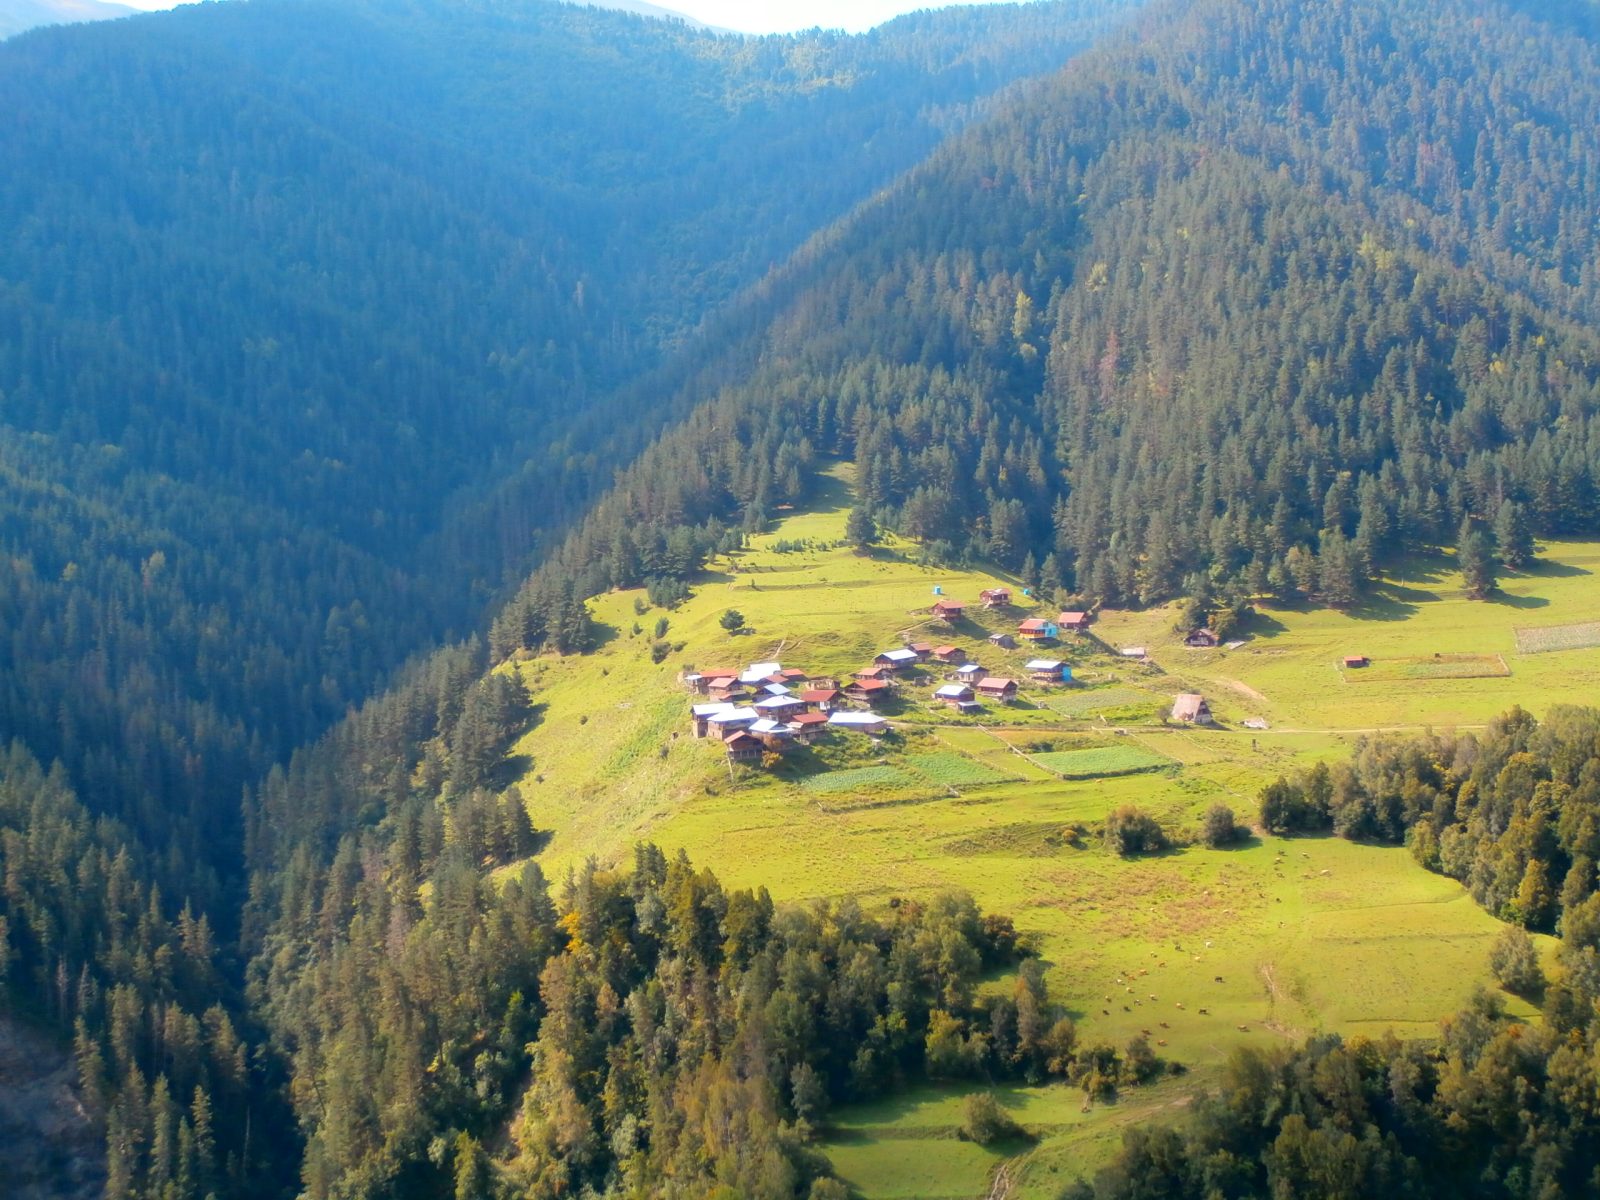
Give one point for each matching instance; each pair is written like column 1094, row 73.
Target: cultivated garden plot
column 1102, row 761
column 1543, row 639
column 1094, row 701
column 956, row 770
column 1429, row 666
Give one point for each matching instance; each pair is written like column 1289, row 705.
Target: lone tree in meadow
column 732, row 620
column 1130, row 830
column 1219, row 828
column 860, row 528
column 1475, row 558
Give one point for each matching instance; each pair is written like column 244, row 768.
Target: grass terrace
column 1273, row 939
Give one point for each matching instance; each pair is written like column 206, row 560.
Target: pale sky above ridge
column 758, row 16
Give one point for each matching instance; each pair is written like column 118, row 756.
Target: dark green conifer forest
column 346, row 349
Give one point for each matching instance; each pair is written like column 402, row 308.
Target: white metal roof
column 898, row 655
column 1043, row 664
column 735, row 714
column 860, row 719
column 954, row 691
column 711, row 710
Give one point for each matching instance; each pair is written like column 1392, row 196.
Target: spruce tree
column 1475, row 558
column 1513, row 540
column 860, row 528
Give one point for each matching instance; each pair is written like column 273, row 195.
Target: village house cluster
column 767, row 708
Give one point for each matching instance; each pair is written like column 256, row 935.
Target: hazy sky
column 783, row 16
column 761, row 16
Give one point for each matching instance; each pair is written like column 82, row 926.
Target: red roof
column 948, row 606
column 871, row 672
column 1074, row 618
column 870, row 685
column 810, row 719
column 995, row 592
column 818, row 695
column 921, row 647
column 793, row 673
column 723, row 680
column 942, row 650
column 1033, row 625
column 733, row 739
column 995, row 684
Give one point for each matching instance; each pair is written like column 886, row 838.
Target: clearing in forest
column 1360, row 938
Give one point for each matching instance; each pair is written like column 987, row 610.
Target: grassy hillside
column 1275, row 939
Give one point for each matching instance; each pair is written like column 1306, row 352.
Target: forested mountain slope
column 1181, row 318
column 1151, row 324
column 1149, row 330
column 286, row 286
column 287, row 282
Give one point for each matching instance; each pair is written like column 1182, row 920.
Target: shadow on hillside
column 1259, row 623
column 1426, row 568
column 1544, row 568
column 1391, row 602
column 829, row 494
column 510, row 769
column 1507, row 600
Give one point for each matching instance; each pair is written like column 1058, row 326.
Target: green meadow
column 1204, row 949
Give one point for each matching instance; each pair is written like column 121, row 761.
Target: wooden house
column 953, row 695
column 773, row 735
column 1357, row 660
column 865, row 691
column 995, row 597
column 1202, row 639
column 793, row 676
column 860, row 722
column 743, row 747
column 950, row 654
column 730, row 719
column 1191, row 708
column 1048, row 670
column 968, row 673
column 1074, row 622
column 1036, row 629
column 895, row 660
column 820, row 699
column 780, row 708
column 700, row 716
column 1004, row 640
column 923, row 650
column 809, row 726
column 948, row 611
column 992, row 688
column 725, row 687
column 872, row 672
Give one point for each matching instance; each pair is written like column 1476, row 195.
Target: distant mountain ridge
column 640, row 8
column 16, row 16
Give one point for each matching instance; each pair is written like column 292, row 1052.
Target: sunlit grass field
column 1275, row 939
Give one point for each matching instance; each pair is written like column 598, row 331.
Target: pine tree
column 1475, row 559
column 860, row 528
column 1513, row 540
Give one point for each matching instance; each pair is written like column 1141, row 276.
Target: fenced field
column 1429, row 666
column 1100, row 761
column 956, row 770
column 1582, row 635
